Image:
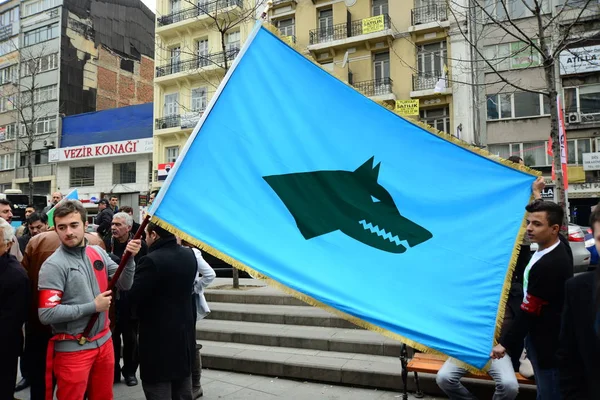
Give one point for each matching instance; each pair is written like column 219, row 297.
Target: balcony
column 352, row 32
column 424, row 84
column 171, row 121
column 378, row 89
column 282, row 3
column 209, row 61
column 204, row 8
column 573, row 12
column 588, row 119
column 429, row 18
column 38, row 171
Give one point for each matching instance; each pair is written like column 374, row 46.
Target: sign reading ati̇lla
column 124, row 147
column 373, row 24
column 407, row 107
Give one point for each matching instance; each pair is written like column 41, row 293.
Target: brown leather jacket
column 39, row 248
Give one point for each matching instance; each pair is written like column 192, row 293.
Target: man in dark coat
column 579, row 349
column 162, row 292
column 14, row 304
column 104, row 218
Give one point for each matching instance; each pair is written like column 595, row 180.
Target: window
column 516, row 105
column 233, row 40
column 81, row 176
column 516, row 8
column 175, row 6
column 431, row 59
column 199, row 99
column 535, row 154
column 7, row 161
column 439, row 118
column 287, row 27
column 46, row 93
column 175, row 58
column 35, row 7
column 124, row 173
column 8, row 46
column 5, row 104
column 171, row 104
column 9, row 16
column 381, row 66
column 575, row 150
column 41, row 34
column 325, row 25
column 515, row 55
column 172, row 153
column 202, row 52
column 8, row 74
column 37, row 157
column 583, row 99
column 10, row 131
column 41, row 64
column 380, row 7
column 40, row 127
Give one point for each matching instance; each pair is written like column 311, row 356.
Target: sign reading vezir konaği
column 124, row 147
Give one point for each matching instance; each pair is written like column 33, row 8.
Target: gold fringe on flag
column 363, row 324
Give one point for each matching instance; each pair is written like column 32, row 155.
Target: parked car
column 577, row 241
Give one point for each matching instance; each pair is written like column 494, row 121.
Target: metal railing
column 79, row 182
column 280, row 2
column 38, row 170
column 203, row 8
column 425, row 81
column 342, row 31
column 429, row 13
column 376, row 87
column 197, row 62
column 171, row 121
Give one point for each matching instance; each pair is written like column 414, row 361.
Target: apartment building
column 74, row 56
column 383, row 48
column 9, row 76
column 518, row 122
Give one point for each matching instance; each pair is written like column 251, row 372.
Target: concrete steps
column 262, row 331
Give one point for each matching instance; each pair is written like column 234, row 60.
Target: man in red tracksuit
column 72, row 287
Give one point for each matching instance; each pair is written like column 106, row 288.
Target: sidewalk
column 231, row 386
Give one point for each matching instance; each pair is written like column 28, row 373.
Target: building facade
column 518, row 122
column 106, row 153
column 74, row 56
column 9, row 79
column 376, row 46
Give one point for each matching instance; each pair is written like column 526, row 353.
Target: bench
column 431, row 364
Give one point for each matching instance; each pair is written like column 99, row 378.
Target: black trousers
column 36, row 346
column 174, row 390
column 127, row 327
column 9, row 357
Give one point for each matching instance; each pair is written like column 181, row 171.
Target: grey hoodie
column 69, row 270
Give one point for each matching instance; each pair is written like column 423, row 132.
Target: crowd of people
column 53, row 280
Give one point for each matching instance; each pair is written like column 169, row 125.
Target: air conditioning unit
column 573, row 118
column 49, row 143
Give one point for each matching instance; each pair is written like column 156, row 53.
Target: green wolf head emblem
column 350, row 201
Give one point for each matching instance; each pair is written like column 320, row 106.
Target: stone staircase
column 260, row 330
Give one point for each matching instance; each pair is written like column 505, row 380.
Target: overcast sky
column 150, row 3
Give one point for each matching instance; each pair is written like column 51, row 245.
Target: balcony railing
column 428, row 80
column 38, row 170
column 343, row 31
column 197, row 62
column 429, row 13
column 376, row 87
column 203, row 8
column 277, row 3
column 171, row 121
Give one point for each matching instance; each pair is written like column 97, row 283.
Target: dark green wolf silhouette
column 350, row 201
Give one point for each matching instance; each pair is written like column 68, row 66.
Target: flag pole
column 113, row 281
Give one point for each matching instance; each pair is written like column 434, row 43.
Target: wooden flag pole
column 114, row 280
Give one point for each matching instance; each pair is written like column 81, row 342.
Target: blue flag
column 298, row 177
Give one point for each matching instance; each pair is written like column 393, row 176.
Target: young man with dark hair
column 114, row 203
column 36, row 223
column 72, row 287
column 579, row 350
column 162, row 291
column 538, row 320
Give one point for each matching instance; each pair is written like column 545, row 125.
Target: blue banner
column 297, row 176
